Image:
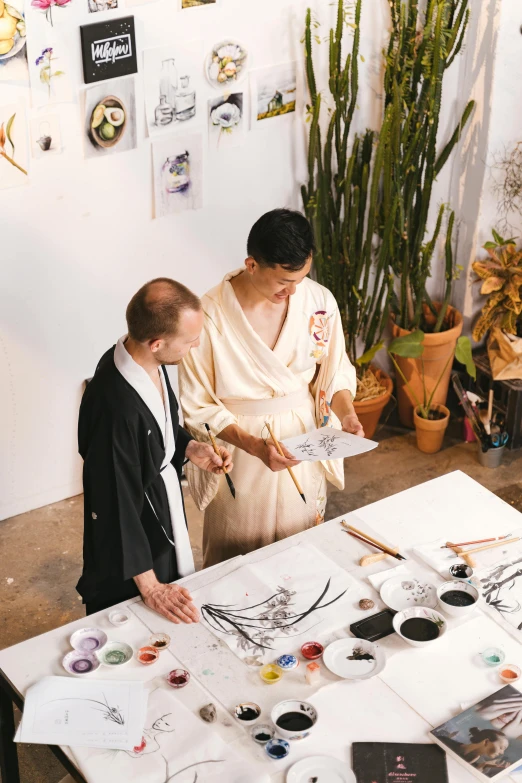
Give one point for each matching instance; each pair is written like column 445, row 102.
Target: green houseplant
column 501, row 276
column 431, row 418
column 424, row 42
column 342, row 201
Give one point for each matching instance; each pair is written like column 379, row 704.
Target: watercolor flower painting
column 47, row 74
column 47, row 7
column 6, row 136
column 225, row 120
column 226, row 63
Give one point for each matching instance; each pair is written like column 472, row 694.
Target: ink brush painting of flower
column 226, row 64
column 399, row 593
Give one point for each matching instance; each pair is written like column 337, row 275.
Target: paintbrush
column 280, row 450
column 215, row 446
column 471, row 413
column 450, row 545
column 369, row 540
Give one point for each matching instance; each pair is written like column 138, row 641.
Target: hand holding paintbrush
column 216, row 449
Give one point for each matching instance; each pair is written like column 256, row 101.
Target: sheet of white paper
column 175, row 746
column 327, row 443
column 93, row 713
column 377, row 580
column 264, row 609
column 441, row 559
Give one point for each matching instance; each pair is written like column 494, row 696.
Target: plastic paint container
column 148, row 655
column 178, row 678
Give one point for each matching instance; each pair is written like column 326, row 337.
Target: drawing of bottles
column 185, row 100
column 164, row 112
column 169, row 82
column 176, row 173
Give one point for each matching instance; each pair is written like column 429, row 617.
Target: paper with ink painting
column 175, row 746
column 327, row 443
column 271, row 607
column 93, row 713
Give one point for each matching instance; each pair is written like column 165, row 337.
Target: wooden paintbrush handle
column 369, row 559
column 369, row 538
column 281, row 452
column 489, row 546
column 215, row 447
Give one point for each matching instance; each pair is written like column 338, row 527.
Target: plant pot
column 437, row 349
column 430, row 434
column 369, row 411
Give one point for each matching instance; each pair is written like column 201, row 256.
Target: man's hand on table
column 171, row 601
column 203, row 456
column 268, row 454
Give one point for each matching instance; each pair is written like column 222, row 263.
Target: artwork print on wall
column 45, row 136
column 108, row 49
column 110, row 118
column 196, row 3
column 275, row 93
column 226, row 121
column 178, row 173
column 13, row 51
column 101, row 5
column 49, row 68
column 14, row 156
column 173, row 86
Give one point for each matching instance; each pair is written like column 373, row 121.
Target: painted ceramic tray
column 354, row 659
column 325, row 769
column 401, row 593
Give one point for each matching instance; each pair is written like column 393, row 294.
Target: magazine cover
column 486, row 738
column 398, row 762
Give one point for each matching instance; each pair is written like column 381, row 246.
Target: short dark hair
column 281, row 237
column 155, row 309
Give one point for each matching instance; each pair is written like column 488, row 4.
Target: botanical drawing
column 278, row 615
column 6, row 136
column 47, row 7
column 112, row 714
column 327, row 443
column 47, row 74
column 307, row 448
column 499, row 589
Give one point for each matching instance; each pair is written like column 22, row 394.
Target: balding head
column 154, row 311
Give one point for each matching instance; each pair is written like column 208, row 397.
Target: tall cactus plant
column 421, row 49
column 342, row 197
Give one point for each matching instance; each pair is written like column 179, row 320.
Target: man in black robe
column 135, row 532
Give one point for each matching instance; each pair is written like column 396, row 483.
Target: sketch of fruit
column 12, row 31
column 108, row 122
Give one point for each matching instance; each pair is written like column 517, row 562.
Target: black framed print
column 108, row 49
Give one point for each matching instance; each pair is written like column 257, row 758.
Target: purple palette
column 88, row 640
column 79, row 663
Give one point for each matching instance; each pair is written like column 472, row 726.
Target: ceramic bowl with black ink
column 247, row 712
column 277, row 749
column 294, row 719
column 79, row 663
column 88, row 640
column 460, row 572
column 457, row 599
column 420, row 627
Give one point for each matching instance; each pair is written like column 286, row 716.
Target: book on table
column 486, row 738
column 398, row 762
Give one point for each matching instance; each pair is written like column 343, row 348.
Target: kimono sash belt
column 270, row 405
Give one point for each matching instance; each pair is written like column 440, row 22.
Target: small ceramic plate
column 325, row 769
column 88, row 640
column 354, row 659
column 400, row 593
column 79, row 663
column 116, row 654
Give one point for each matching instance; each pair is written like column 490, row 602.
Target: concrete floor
column 41, row 551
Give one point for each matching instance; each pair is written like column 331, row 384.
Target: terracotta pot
column 369, row 411
column 430, row 434
column 437, row 349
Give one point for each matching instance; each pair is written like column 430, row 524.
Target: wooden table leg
column 8, row 753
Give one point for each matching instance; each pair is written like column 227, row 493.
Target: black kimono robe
column 127, row 520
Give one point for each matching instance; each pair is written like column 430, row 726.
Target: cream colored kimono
column 235, row 378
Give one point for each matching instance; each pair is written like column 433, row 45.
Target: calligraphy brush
column 229, row 480
column 471, row 413
column 362, row 536
column 449, row 545
column 280, row 450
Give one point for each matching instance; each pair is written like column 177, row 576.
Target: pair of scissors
column 499, row 439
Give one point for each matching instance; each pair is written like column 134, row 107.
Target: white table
column 417, row 690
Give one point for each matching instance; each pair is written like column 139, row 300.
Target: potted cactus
column 341, row 200
column 422, row 47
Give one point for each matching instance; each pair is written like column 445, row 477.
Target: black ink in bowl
column 461, row 571
column 247, row 712
column 294, row 721
column 457, row 598
column 419, row 629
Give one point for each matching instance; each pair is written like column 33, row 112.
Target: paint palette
column 321, row 768
column 116, row 654
column 354, row 659
column 403, row 592
column 79, row 663
column 88, row 640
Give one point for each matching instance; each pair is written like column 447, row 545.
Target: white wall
column 79, row 240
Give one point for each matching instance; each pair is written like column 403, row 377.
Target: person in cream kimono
column 271, row 350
